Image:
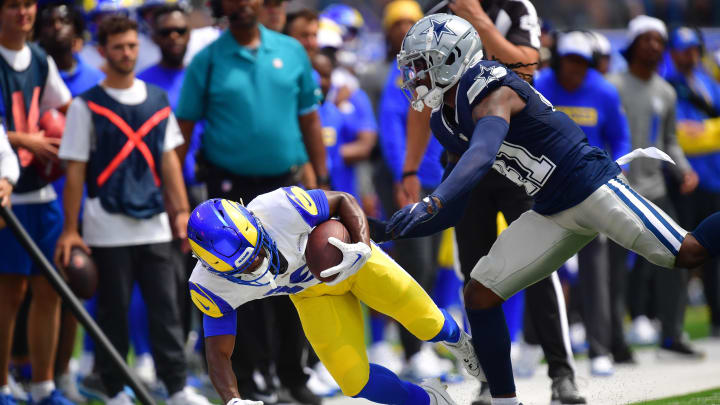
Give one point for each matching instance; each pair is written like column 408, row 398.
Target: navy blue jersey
column 544, row 151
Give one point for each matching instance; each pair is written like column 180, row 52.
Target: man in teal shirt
column 254, row 89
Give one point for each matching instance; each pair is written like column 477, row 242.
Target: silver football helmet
column 434, row 55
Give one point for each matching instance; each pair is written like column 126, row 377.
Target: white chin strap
column 267, row 275
column 432, row 98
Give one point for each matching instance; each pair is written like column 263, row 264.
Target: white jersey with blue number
column 288, row 215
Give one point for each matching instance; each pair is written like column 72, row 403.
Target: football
column 53, row 123
column 82, row 276
column 319, row 253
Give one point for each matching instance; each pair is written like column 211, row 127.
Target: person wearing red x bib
column 120, row 140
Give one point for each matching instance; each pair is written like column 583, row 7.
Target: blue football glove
column 412, row 215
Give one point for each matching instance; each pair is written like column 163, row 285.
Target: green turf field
column 710, row 397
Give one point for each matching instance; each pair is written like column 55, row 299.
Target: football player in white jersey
column 248, row 253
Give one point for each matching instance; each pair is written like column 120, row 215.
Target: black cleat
column 565, row 392
column 301, row 395
column 679, row 350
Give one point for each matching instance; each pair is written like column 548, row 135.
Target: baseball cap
column 575, row 43
column 683, row 38
column 401, row 10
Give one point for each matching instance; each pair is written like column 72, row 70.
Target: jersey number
column 522, row 168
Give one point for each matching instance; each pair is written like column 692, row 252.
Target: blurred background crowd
column 251, row 95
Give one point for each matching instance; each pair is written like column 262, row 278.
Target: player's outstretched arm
column 492, row 122
column 218, row 350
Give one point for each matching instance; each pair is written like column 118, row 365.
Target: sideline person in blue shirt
column 698, row 114
column 574, row 87
column 419, row 255
column 254, row 89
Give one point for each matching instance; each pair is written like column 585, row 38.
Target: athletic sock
column 384, row 387
column 491, row 340
column 5, row 390
column 708, row 234
column 377, row 328
column 505, row 401
column 450, row 331
column 41, row 390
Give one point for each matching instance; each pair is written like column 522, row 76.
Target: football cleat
column 437, row 392
column 226, row 238
column 463, row 350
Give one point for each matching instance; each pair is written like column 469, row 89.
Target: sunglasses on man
column 166, row 32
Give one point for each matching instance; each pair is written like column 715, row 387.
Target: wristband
column 410, row 173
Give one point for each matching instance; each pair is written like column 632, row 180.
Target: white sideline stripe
column 564, row 325
column 650, row 216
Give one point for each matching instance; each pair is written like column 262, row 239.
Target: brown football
column 319, row 253
column 53, row 123
column 82, row 275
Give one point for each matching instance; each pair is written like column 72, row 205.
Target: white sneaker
column 601, row 366
column 85, row 364
column 463, row 350
column 383, row 354
column 67, row 384
column 145, row 369
column 427, row 364
column 16, row 390
column 437, row 392
column 120, row 399
column 642, row 332
column 187, row 396
column 527, row 360
column 321, row 382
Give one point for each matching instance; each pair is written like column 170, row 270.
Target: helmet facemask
column 269, row 269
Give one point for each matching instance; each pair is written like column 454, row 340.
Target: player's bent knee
column 691, row 254
column 354, row 381
column 477, row 296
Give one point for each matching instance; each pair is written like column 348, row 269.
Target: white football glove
column 354, row 257
column 238, row 401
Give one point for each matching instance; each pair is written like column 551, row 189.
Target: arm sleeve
column 615, row 129
column 487, row 137
column 9, row 167
column 671, row 145
column 75, row 144
column 56, row 93
column 193, row 94
column 309, row 95
column 225, row 325
column 392, row 134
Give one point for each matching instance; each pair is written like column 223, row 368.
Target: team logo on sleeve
column 483, row 79
column 303, row 203
column 439, row 28
column 207, row 302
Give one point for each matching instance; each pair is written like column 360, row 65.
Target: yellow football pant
column 333, row 322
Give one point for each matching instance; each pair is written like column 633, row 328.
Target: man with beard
column 255, row 91
column 120, row 140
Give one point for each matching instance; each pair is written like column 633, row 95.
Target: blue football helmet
column 226, row 237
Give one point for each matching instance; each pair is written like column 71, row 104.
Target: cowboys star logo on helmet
column 438, row 28
column 434, row 55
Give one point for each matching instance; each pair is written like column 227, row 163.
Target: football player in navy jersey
column 487, row 117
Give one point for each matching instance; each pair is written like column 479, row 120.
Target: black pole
column 75, row 306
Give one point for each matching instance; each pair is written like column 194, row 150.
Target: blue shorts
column 44, row 223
